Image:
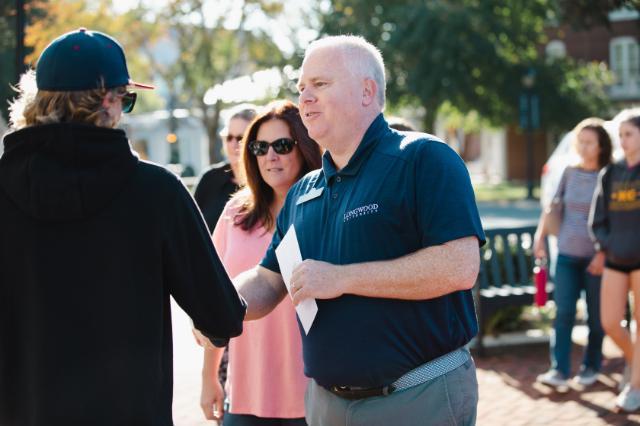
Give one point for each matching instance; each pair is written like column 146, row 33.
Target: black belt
column 355, row 392
column 428, row 371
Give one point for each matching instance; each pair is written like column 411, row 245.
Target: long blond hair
column 33, row 107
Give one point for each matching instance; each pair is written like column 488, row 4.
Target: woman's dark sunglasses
column 280, row 146
column 128, row 101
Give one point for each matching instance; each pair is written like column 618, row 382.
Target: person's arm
column 540, row 237
column 449, row 228
column 447, row 223
column 425, row 274
column 599, row 224
column 599, row 214
column 596, row 266
column 262, row 288
column 193, row 273
column 212, row 394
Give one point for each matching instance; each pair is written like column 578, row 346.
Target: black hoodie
column 615, row 213
column 92, row 243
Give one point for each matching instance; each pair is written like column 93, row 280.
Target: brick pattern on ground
column 509, row 394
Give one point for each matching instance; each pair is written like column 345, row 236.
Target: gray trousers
column 451, row 399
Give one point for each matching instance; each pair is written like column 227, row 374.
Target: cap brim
column 140, row 85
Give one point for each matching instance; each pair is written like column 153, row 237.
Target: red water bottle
column 540, row 278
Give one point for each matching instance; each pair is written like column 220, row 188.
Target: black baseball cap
column 83, row 60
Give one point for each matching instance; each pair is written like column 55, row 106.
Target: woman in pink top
column 265, row 383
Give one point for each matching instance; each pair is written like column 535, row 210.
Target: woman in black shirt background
column 221, row 180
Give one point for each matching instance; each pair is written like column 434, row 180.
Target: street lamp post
column 529, row 121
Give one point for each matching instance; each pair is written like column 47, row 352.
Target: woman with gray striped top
column 579, row 265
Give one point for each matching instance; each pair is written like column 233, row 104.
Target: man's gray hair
column 364, row 59
column 245, row 112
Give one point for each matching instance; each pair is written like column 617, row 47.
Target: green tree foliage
column 590, row 13
column 210, row 37
column 213, row 50
column 7, row 58
column 33, row 10
column 471, row 54
column 130, row 28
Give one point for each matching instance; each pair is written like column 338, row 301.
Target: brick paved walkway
column 508, row 392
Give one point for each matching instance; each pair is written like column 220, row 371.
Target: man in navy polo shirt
column 389, row 231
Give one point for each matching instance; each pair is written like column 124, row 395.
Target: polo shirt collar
column 370, row 139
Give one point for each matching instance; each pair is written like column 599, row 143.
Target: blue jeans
column 570, row 279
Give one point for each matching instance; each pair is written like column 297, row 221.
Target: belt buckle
column 345, row 390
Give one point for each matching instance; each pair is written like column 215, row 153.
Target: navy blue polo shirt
column 399, row 192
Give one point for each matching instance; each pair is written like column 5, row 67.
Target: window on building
column 625, row 61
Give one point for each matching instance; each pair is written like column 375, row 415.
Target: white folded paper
column 288, row 254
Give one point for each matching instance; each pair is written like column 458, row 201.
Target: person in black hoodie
column 93, row 243
column 615, row 227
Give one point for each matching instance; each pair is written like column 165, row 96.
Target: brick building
column 617, row 46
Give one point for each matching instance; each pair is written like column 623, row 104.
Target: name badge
column 314, row 193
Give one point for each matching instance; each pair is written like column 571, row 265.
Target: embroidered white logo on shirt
column 361, row 211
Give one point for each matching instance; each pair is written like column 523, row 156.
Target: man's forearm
column 262, row 289
column 426, row 274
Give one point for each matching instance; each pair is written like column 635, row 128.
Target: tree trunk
column 429, row 120
column 211, row 124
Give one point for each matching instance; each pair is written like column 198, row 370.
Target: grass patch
column 506, row 191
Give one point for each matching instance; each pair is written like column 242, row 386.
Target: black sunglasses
column 233, row 138
column 280, row 146
column 128, row 101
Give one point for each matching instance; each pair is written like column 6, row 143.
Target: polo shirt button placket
column 334, row 196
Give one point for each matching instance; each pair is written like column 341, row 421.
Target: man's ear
column 369, row 91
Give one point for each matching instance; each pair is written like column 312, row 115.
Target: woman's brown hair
column 596, row 125
column 258, row 196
